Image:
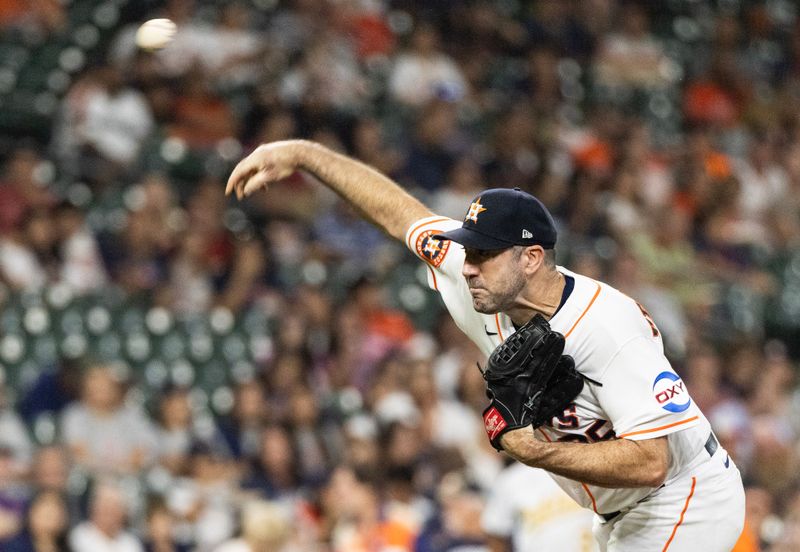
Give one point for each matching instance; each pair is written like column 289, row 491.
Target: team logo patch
column 475, row 209
column 670, row 392
column 493, row 422
column 431, row 249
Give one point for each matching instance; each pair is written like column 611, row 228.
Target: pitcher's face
column 495, row 278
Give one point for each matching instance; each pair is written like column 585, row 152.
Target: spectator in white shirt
column 425, row 72
column 27, row 259
column 633, row 57
column 82, row 266
column 526, row 511
column 103, row 435
column 265, row 528
column 105, row 531
column 14, row 436
column 104, row 123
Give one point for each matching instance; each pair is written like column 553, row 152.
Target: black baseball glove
column 528, row 380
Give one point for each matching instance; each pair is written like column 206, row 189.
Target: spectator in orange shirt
column 201, row 118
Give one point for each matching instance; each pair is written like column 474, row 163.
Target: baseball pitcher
column 578, row 382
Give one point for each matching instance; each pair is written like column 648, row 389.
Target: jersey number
column 648, row 318
column 569, row 420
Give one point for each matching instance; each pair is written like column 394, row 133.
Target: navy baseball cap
column 500, row 218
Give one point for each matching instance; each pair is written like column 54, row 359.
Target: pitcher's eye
column 478, row 256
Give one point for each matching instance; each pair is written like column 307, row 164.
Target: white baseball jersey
column 636, row 394
column 529, row 508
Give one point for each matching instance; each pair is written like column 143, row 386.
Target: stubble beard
column 502, row 299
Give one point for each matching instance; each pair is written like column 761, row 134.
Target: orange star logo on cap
column 474, row 210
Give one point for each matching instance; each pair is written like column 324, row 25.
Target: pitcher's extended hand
column 267, row 164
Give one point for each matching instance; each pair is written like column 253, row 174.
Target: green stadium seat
column 159, row 320
column 12, row 348
column 45, row 429
column 45, row 350
column 222, row 400
column 74, row 346
column 182, row 372
column 201, row 347
column 107, row 346
column 234, row 348
column 97, row 319
column 138, row 348
column 172, row 346
column 156, row 373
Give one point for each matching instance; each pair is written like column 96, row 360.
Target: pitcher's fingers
column 229, row 186
column 256, row 182
column 236, row 180
column 241, row 172
column 234, row 177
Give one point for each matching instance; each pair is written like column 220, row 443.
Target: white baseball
column 155, row 34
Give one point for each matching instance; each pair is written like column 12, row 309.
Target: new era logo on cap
column 500, row 218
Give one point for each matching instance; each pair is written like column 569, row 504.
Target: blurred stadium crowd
column 189, row 373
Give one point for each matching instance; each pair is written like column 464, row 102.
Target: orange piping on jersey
column 594, row 504
column 499, row 331
column 596, row 293
column 547, row 437
column 686, row 421
column 433, row 273
column 685, row 507
column 585, row 488
column 417, row 227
